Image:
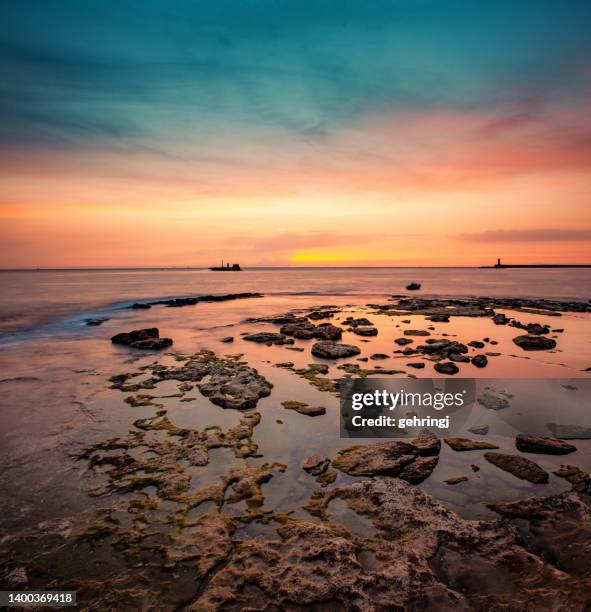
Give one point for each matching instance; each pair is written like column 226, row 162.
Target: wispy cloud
column 528, row 235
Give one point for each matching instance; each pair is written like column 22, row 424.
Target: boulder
column 146, row 339
column 533, row 342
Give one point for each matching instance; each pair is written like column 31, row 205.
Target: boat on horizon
column 227, row 268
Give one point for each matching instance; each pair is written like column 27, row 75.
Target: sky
column 282, row 132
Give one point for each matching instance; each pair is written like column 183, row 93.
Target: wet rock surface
column 532, row 342
column 521, row 467
column 548, row 446
column 334, row 350
column 145, row 339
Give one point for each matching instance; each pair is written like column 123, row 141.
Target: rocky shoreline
column 167, row 536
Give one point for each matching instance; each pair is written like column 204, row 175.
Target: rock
column 459, row 358
column 474, row 467
column 381, row 458
column 333, row 350
column 146, row 339
column 413, row 286
column 191, row 301
column 479, row 430
column 419, row 470
column 579, row 479
column 316, row 464
column 16, row 578
column 285, row 364
column 427, row 443
column 500, row 319
column 414, row 555
column 326, row 331
column 531, row 342
column 456, row 480
column 480, row 361
column 418, row 365
column 446, row 367
column 403, row 341
column 521, row 467
column 439, row 318
column 304, row 408
column 140, row 306
column 351, row 322
column 365, row 331
column 476, row 344
column 416, row 332
column 379, row 356
column 266, row 338
column 493, row 402
column 465, row 444
column 227, row 339
column 569, row 432
column 321, row 314
column 547, row 446
column 559, row 528
column 96, row 322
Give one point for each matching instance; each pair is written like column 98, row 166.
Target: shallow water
column 31, row 298
column 55, row 401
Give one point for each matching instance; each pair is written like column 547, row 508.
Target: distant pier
column 500, row 265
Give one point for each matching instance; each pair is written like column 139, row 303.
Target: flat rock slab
column 334, row 350
column 521, row 467
column 466, row 444
column 541, row 445
column 409, row 461
column 266, row 338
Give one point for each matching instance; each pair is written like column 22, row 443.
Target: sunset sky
column 292, row 132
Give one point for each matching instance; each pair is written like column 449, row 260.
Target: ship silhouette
column 227, row 268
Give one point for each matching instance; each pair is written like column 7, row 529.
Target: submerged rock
column 334, row 350
column 146, row 339
column 96, row 322
column 456, row 480
column 569, row 432
column 493, row 402
column 521, row 467
column 418, row 365
column 532, row 342
column 479, row 430
column 547, row 446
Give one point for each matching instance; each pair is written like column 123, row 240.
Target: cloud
column 528, row 235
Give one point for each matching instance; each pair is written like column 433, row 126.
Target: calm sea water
column 33, row 298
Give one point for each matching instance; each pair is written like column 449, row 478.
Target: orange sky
column 441, row 188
